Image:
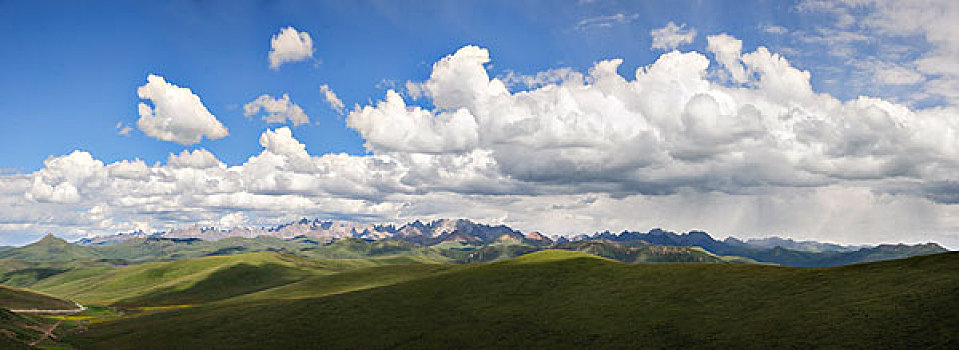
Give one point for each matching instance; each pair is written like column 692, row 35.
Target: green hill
column 197, row 280
column 179, row 282
column 50, row 248
column 563, row 300
column 348, row 281
column 642, row 253
column 16, row 298
column 18, row 273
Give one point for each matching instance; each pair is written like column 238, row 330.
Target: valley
column 464, row 289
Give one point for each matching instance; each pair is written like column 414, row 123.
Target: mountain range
column 452, row 240
column 430, row 233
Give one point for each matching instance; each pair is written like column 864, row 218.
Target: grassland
column 193, row 281
column 16, row 298
column 551, row 299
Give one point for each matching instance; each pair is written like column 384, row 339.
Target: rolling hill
column 50, row 248
column 773, row 250
column 564, row 299
column 16, row 298
column 19, row 331
column 180, row 282
column 641, row 253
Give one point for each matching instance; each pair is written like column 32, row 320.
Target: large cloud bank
column 668, row 128
column 751, row 149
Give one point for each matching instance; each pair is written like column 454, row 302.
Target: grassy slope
column 15, row 298
column 348, row 281
column 197, row 280
column 183, row 281
column 558, row 299
column 12, row 344
column 17, row 331
column 644, row 253
column 50, row 248
column 19, row 273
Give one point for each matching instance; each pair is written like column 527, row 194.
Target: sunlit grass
column 570, row 300
column 160, row 308
column 70, row 318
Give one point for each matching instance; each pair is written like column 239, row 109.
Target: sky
column 835, row 121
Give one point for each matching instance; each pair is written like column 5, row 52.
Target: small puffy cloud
column 335, row 103
column 289, row 45
column 671, row 36
column 277, row 110
column 177, row 114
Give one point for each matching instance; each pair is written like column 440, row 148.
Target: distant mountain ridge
column 782, row 251
column 809, row 246
column 429, row 233
column 458, row 240
column 437, row 231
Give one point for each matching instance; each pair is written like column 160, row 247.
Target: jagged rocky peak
column 510, row 237
column 699, row 234
column 536, row 236
column 442, row 226
column 733, row 241
column 458, row 236
column 658, row 231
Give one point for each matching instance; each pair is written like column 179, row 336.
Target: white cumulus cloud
column 177, row 115
column 289, row 45
column 276, row 110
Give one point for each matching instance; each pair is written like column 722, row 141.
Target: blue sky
column 681, row 137
column 71, row 69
